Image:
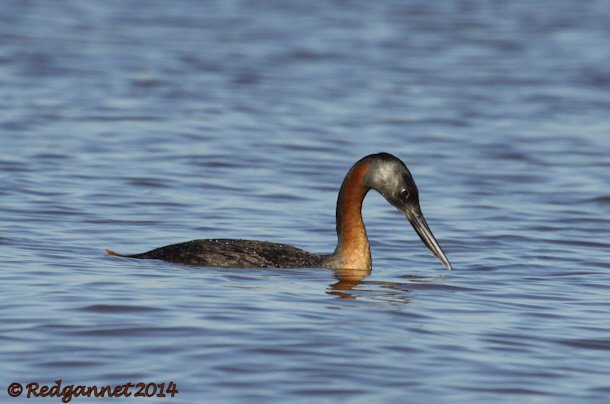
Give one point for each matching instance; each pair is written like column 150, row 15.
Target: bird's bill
column 417, row 220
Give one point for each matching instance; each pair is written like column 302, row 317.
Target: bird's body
column 382, row 172
column 230, row 253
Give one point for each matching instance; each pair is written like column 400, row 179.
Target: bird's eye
column 405, row 193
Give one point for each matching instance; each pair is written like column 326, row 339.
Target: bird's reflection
column 349, row 279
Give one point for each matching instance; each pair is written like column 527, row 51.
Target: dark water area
column 134, row 124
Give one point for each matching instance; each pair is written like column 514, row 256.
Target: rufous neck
column 353, row 250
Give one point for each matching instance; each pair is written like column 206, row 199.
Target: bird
column 383, row 172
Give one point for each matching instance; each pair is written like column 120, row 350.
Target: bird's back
column 235, row 254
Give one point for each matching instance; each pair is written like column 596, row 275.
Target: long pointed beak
column 417, row 220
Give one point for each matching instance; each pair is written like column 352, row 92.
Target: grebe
column 382, row 172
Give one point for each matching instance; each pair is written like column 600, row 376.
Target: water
column 131, row 125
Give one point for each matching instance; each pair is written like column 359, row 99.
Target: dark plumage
column 234, row 254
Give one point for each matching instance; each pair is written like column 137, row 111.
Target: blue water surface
column 134, row 124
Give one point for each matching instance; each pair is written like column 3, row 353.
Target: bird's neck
column 353, row 250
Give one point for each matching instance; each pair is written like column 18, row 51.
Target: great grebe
column 382, row 172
